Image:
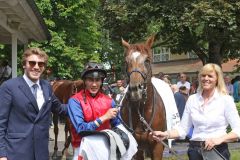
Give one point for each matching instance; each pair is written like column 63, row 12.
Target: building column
column 14, row 55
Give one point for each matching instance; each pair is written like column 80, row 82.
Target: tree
column 209, row 28
column 75, row 34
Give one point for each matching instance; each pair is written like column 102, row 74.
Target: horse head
column 138, row 58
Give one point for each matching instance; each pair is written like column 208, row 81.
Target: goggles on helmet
column 93, row 70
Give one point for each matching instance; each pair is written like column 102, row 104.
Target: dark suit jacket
column 180, row 102
column 24, row 130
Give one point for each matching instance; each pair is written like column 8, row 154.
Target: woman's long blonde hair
column 210, row 67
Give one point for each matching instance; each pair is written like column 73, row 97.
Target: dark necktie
column 34, row 90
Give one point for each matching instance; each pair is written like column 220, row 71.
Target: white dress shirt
column 40, row 98
column 186, row 84
column 209, row 120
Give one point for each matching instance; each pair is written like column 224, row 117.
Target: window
column 161, row 54
column 192, row 55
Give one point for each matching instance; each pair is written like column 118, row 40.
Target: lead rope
column 118, row 106
column 151, row 130
column 144, row 122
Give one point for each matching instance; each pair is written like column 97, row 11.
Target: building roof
column 188, row 66
column 22, row 18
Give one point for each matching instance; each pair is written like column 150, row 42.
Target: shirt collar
column 215, row 94
column 29, row 82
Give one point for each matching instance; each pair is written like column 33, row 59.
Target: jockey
column 90, row 109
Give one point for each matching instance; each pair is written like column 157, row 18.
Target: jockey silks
column 93, row 108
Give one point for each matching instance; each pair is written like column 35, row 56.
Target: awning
column 21, row 23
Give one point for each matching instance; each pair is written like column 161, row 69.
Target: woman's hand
column 210, row 143
column 159, row 135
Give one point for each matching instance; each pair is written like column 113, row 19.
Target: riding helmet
column 93, row 70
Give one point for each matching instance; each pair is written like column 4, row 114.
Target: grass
column 235, row 154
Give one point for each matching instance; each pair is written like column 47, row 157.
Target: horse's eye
column 147, row 62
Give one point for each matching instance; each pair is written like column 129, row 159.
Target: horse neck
column 149, row 85
column 150, row 93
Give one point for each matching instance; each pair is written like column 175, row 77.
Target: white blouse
column 209, row 120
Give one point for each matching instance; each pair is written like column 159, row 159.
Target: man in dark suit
column 25, row 109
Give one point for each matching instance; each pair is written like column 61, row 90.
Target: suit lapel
column 28, row 93
column 45, row 89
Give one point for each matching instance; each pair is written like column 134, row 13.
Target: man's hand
column 3, row 158
column 111, row 113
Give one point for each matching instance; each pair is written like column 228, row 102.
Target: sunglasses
column 33, row 63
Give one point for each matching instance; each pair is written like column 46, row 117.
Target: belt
column 201, row 144
column 197, row 143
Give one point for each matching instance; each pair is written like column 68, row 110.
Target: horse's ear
column 150, row 41
column 125, row 44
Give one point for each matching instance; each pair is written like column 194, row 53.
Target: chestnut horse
column 64, row 89
column 142, row 100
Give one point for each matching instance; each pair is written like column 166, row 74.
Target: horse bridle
column 145, row 78
column 144, row 75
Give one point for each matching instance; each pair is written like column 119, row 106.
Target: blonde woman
column 210, row 111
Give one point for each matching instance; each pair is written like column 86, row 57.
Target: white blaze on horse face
column 138, row 57
column 135, row 55
column 137, row 72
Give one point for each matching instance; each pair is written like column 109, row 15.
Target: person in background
column 228, row 84
column 119, row 87
column 5, row 71
column 167, row 79
column 118, row 91
column 183, row 82
column 90, row 109
column 160, row 75
column 179, row 99
column 194, row 86
column 236, row 88
column 184, row 92
column 26, row 105
column 210, row 111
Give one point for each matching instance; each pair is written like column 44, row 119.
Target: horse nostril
column 133, row 88
column 140, row 86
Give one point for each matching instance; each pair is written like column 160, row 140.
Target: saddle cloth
column 164, row 90
column 172, row 115
column 100, row 146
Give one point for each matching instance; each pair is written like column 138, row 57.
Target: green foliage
column 90, row 29
column 75, row 35
column 75, row 32
column 238, row 107
column 182, row 26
